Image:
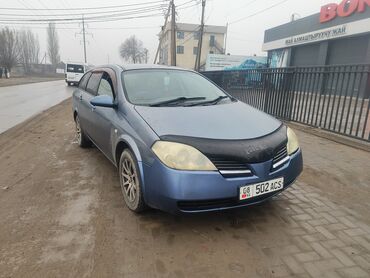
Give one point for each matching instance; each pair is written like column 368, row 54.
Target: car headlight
column 182, row 157
column 292, row 145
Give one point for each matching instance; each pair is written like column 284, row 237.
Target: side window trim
column 111, row 85
column 96, row 92
column 87, row 81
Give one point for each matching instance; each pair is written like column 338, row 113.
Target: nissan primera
column 180, row 143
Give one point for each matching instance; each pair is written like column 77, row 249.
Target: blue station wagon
column 180, row 143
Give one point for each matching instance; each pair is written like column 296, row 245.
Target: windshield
column 75, row 68
column 150, row 87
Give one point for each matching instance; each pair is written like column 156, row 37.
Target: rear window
column 75, row 68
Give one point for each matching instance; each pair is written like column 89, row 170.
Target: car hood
column 231, row 121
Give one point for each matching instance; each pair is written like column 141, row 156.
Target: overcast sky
column 244, row 37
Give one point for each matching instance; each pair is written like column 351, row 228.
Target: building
column 187, row 37
column 339, row 34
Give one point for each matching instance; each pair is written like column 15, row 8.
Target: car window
column 106, row 86
column 75, row 68
column 82, row 84
column 146, row 87
column 92, row 85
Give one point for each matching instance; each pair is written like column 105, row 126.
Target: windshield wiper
column 210, row 102
column 176, row 101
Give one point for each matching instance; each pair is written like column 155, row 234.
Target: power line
column 246, row 5
column 76, row 20
column 91, row 28
column 147, row 8
column 82, row 9
column 259, row 12
column 124, row 13
column 98, row 14
column 185, row 3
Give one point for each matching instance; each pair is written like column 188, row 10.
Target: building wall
column 305, row 55
column 189, row 42
column 353, row 50
column 308, row 42
column 349, row 51
column 309, row 24
column 187, row 60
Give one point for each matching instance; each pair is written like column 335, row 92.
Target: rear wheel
column 130, row 182
column 82, row 139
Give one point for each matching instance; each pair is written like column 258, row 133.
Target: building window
column 195, row 50
column 212, row 40
column 180, row 49
column 180, row 35
column 196, row 35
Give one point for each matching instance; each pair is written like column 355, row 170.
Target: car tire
column 130, row 182
column 82, row 140
column 69, row 84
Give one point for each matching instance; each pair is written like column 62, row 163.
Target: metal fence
column 334, row 98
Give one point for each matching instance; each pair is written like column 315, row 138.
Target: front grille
column 230, row 167
column 280, row 158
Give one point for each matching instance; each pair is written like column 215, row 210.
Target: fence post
column 366, row 129
column 267, row 90
column 290, row 92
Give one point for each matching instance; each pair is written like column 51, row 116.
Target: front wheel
column 130, row 182
column 82, row 140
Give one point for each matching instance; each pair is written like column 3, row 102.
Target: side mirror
column 103, row 101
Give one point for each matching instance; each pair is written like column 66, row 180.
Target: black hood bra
column 248, row 151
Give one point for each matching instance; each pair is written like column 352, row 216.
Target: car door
column 104, row 116
column 86, row 110
column 77, row 95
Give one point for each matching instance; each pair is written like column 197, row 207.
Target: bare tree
column 9, row 48
column 29, row 49
column 132, row 50
column 53, row 44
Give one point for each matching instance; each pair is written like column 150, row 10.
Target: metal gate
column 334, row 98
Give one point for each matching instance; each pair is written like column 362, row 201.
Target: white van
column 74, row 72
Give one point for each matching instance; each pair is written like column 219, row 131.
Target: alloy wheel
column 129, row 180
column 78, row 130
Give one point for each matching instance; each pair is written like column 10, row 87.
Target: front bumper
column 190, row 191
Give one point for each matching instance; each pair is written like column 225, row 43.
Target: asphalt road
column 18, row 103
column 62, row 215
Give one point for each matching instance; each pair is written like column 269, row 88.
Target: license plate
column 258, row 189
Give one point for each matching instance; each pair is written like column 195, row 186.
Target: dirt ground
column 17, row 80
column 62, row 215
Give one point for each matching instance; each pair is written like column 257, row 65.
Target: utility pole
column 162, row 33
column 84, row 33
column 227, row 27
column 173, row 34
column 200, row 42
column 84, row 37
